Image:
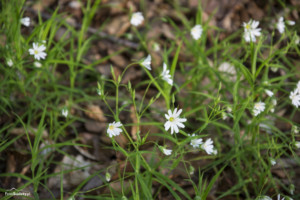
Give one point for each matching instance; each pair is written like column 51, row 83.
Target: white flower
column 9, row 63
column 269, row 93
column 291, row 23
column 272, row 161
column 65, row 112
column 167, row 152
column 280, row 25
column 113, row 129
column 38, row 51
column 196, row 142
column 258, row 108
column 136, row 19
column 37, row 64
column 208, row 146
column 196, row 32
column 229, row 69
column 297, row 40
column 166, row 75
column 25, row 21
column 174, row 121
column 295, row 97
column 147, row 62
column 274, row 102
column 107, row 176
column 251, row 30
column 297, row 144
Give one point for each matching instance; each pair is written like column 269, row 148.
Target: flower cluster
column 258, row 108
column 295, row 96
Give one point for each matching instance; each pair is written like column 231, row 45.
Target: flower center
column 248, row 26
column 111, row 127
column 36, row 52
column 171, row 119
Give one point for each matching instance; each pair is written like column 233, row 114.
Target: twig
column 90, row 30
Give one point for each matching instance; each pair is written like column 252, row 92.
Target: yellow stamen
column 171, row 119
column 111, row 127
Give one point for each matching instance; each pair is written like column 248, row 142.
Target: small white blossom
column 166, row 75
column 173, row 121
column 272, row 161
column 136, row 19
column 297, row 144
column 195, row 143
column 107, row 176
column 251, row 31
column 274, row 102
column 258, row 108
column 147, row 62
column 9, row 63
column 25, row 21
column 196, row 32
column 167, row 152
column 291, row 23
column 37, row 64
column 38, row 51
column 295, row 97
column 113, row 129
column 280, row 25
column 208, row 146
column 65, row 112
column 269, row 93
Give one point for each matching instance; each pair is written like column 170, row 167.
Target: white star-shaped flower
column 38, row 51
column 167, row 152
column 65, row 112
column 195, row 143
column 297, row 144
column 37, row 64
column 258, row 108
column 9, row 63
column 272, row 161
column 196, row 32
column 147, row 62
column 295, row 97
column 113, row 129
column 174, row 121
column 208, row 146
column 166, row 75
column 251, row 31
column 25, row 21
column 280, row 25
column 136, row 19
column 269, row 93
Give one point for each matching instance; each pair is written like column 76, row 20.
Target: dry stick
column 92, row 31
